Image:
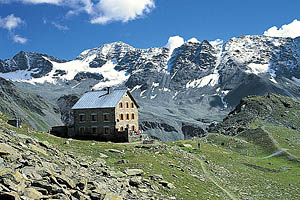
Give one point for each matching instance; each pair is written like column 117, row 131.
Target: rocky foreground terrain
column 253, row 154
column 34, row 169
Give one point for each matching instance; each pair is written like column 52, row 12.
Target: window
column 81, row 117
column 132, row 105
column 121, row 128
column 94, row 117
column 127, row 105
column 120, row 105
column 132, row 116
column 127, row 116
column 94, row 130
column 81, row 130
column 106, row 117
column 106, row 130
column 132, row 128
column 121, row 117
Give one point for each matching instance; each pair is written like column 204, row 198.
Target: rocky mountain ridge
column 194, row 84
column 272, row 109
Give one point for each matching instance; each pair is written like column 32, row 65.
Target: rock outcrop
column 34, row 169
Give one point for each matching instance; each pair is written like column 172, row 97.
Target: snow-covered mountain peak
column 104, row 50
column 193, row 64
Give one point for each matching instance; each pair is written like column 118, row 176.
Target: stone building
column 108, row 115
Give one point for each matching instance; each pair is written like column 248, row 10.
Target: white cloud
column 174, row 42
column 288, row 30
column 19, row 39
column 42, row 1
column 60, row 27
column 100, row 11
column 10, row 22
column 121, row 10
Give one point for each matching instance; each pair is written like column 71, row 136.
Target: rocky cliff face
column 36, row 64
column 194, row 84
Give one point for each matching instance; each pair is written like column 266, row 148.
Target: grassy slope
column 225, row 167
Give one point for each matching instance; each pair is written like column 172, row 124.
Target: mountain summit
column 196, row 83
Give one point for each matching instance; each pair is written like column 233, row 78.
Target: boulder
column 167, row 184
column 112, row 196
column 134, row 172
column 33, row 194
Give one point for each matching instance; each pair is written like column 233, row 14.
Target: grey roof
column 99, row 99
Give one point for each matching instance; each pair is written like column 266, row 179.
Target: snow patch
column 111, row 76
column 136, row 87
column 296, row 79
column 17, row 75
column 216, row 42
column 155, row 84
column 166, row 90
column 273, row 80
column 152, row 97
column 257, row 68
column 142, row 93
column 276, row 43
column 174, row 96
column 272, row 72
column 262, row 68
column 193, row 40
column 76, row 85
column 209, row 80
column 224, row 102
column 225, row 91
column 85, row 52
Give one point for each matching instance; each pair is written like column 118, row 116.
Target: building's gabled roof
column 99, row 99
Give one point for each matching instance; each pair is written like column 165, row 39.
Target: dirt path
column 280, row 150
column 213, row 179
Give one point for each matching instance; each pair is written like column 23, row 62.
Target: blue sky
column 64, row 28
